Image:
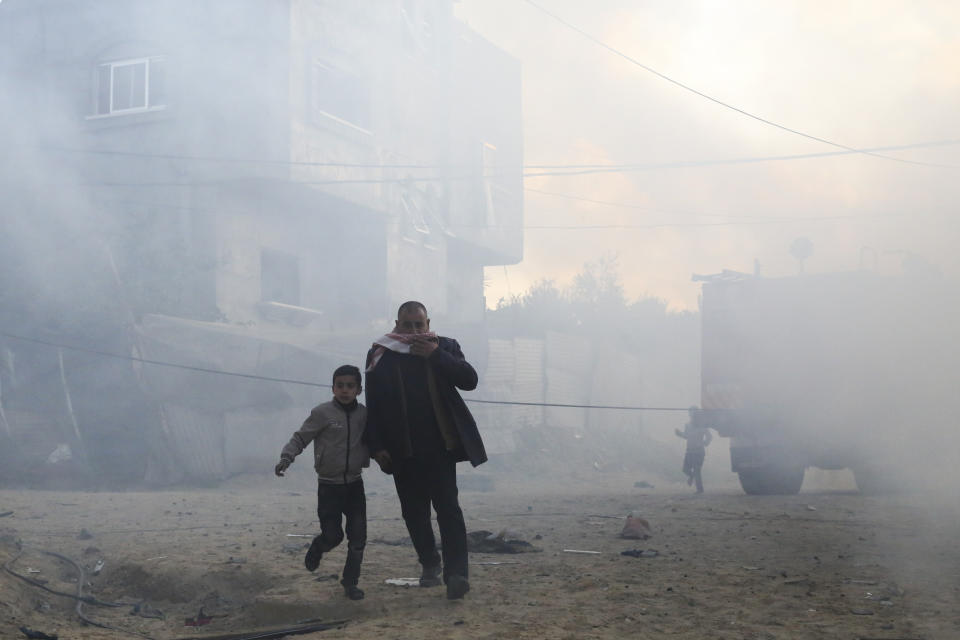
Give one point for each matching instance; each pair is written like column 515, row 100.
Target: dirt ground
column 828, row 563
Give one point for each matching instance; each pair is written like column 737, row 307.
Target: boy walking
column 336, row 429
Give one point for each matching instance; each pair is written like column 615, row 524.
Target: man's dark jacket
column 387, row 426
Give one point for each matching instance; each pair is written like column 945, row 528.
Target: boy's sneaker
column 457, row 587
column 353, row 592
column 314, row 553
column 431, row 576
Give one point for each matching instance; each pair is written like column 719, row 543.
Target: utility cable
column 727, row 105
column 745, row 220
column 228, row 160
column 573, row 170
column 698, row 163
column 577, row 406
column 546, row 169
column 302, row 382
column 107, row 354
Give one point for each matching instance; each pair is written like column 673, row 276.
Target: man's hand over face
column 423, row 346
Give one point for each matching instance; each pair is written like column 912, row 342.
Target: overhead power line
column 727, row 105
column 577, row 406
column 107, row 354
column 751, row 220
column 697, row 163
column 236, row 160
column 558, row 169
column 574, row 170
column 646, row 209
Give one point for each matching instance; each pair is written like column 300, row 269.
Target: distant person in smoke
column 419, row 428
column 336, row 429
column 698, row 439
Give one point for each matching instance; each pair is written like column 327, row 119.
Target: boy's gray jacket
column 339, row 450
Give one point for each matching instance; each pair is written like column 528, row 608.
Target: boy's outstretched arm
column 306, row 434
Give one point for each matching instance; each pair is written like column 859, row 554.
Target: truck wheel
column 769, row 481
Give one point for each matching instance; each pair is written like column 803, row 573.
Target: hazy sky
column 864, row 74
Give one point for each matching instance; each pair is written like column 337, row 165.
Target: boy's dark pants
column 692, row 464
column 334, row 501
column 420, row 481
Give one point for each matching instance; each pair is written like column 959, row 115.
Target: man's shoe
column 353, row 592
column 314, row 553
column 457, row 587
column 431, row 576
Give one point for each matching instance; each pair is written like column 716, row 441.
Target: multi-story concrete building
column 276, row 171
column 334, row 156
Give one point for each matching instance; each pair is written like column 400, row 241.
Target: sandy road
column 822, row 564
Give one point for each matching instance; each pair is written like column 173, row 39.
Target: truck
column 852, row 370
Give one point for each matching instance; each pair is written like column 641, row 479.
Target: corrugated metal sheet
column 616, row 381
column 253, row 439
column 217, row 425
column 569, row 379
column 197, row 441
column 514, row 373
column 500, row 362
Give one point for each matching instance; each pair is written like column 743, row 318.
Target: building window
column 279, row 277
column 341, row 95
column 131, row 85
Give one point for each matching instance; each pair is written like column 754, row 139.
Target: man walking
column 418, row 428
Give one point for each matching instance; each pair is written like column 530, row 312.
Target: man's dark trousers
column 432, row 478
column 333, row 502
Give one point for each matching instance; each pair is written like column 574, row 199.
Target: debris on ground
column 326, row 578
column 37, row 635
column 295, row 548
column 503, row 541
column 399, row 542
column 97, row 568
column 6, row 513
column 642, row 484
column 84, row 535
column 635, row 529
column 403, row 582
column 641, row 553
column 145, row 610
column 581, row 551
column 200, row 619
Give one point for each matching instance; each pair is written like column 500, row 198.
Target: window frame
column 112, row 65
